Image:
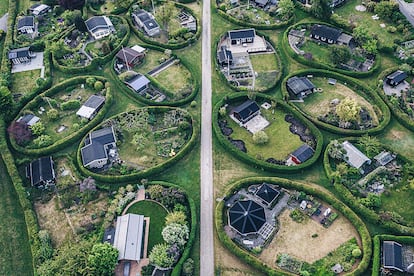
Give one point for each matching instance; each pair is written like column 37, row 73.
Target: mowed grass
column 320, row 53
column 281, row 140
column 157, row 215
column 24, row 82
column 393, row 202
column 15, row 256
column 174, row 78
column 4, row 6
column 264, row 62
column 152, row 59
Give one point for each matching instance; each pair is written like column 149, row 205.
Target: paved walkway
column 3, row 21
column 206, row 157
column 34, row 64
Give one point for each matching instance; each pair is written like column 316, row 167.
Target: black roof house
column 300, row 87
column 246, row 217
column 302, row 154
column 392, row 255
column 41, row 172
column 96, row 147
column 241, row 36
column 20, row 53
column 24, row 23
column 267, row 193
column 224, row 56
column 396, row 78
column 325, row 33
column 246, row 111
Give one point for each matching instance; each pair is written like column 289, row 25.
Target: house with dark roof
column 29, row 119
column 392, row 256
column 325, row 33
column 337, row 3
column 146, row 21
column 246, row 217
column 267, row 194
column 21, row 55
column 354, row 157
column 39, row 9
column 99, row 26
column 246, row 111
column 91, row 107
column 129, row 237
column 26, row 25
column 224, row 56
column 238, row 37
column 261, row 3
column 99, row 146
column 138, row 83
column 129, row 56
column 396, row 78
column 300, row 87
column 41, row 172
column 302, row 154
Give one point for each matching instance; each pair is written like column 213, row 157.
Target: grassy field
column 174, row 78
column 4, row 6
column 152, row 59
column 157, row 215
column 393, row 202
column 24, row 82
column 15, row 256
column 264, row 62
column 320, row 52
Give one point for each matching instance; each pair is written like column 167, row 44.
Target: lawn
column 320, row 51
column 24, row 82
column 281, row 140
column 157, row 215
column 264, row 62
column 175, row 78
column 4, row 6
column 393, row 202
column 15, row 256
column 318, row 104
column 152, row 59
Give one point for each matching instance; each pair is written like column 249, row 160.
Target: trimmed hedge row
column 29, row 215
column 299, row 58
column 71, row 138
column 243, row 89
column 193, row 227
column 401, row 116
column 194, row 77
column 253, row 25
column 259, row 164
column 353, row 202
column 309, row 189
column 369, row 94
column 8, row 41
column 96, row 62
column 150, row 171
column 173, row 46
column 376, row 265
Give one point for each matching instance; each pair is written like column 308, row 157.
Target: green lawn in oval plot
column 157, row 215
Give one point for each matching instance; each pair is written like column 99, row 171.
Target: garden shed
column 39, row 9
column 384, row 157
column 129, row 237
column 41, row 172
column 300, row 87
column 138, row 83
column 302, row 154
column 246, row 217
column 392, row 255
column 91, row 107
column 267, row 193
column 29, row 119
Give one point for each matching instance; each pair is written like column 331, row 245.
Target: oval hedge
column 173, row 46
column 194, row 77
column 370, row 95
column 253, row 25
column 243, row 89
column 68, row 140
column 259, row 163
column 347, row 197
column 96, row 62
column 299, row 58
column 144, row 173
column 309, row 189
column 401, row 116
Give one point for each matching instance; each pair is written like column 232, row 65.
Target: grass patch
column 320, row 51
column 157, row 215
column 392, row 202
column 152, row 59
column 265, row 80
column 24, row 82
column 4, row 6
column 15, row 256
column 175, row 78
column 264, row 62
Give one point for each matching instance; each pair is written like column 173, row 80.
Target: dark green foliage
column 6, row 100
column 70, row 105
column 340, row 54
column 103, row 259
column 321, row 9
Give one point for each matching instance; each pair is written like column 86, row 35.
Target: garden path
column 3, row 22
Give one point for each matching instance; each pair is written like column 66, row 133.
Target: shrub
column 356, row 253
column 98, row 86
column 159, row 256
column 175, row 233
column 188, row 267
column 193, row 104
column 52, row 114
column 42, row 141
column 260, row 138
column 177, row 217
column 70, row 105
column 38, row 128
column 90, row 82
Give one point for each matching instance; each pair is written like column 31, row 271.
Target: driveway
column 389, row 90
column 3, row 22
column 34, row 64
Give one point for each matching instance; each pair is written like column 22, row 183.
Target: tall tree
column 286, row 9
column 103, row 259
column 159, row 256
column 348, row 110
column 164, row 13
column 6, row 99
column 370, row 144
column 321, row 9
column 340, row 54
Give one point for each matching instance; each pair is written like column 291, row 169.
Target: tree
column 260, row 137
column 336, row 150
column 20, row 132
column 38, row 128
column 342, row 169
column 175, row 233
column 340, row 54
column 356, row 253
column 159, row 256
column 365, row 39
column 372, row 201
column 348, row 110
column 42, row 141
column 178, row 217
column 72, row 4
column 90, row 82
column 103, row 259
column 188, row 267
column 286, row 9
column 98, row 86
column 385, row 9
column 52, row 114
column 6, row 99
column 321, row 9
column 164, row 13
column 79, row 22
column 370, row 144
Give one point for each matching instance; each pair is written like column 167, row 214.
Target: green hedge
column 29, row 215
column 173, row 46
column 243, row 89
column 353, row 202
column 307, row 188
column 96, row 62
column 259, row 164
column 150, row 171
column 401, row 116
column 71, row 138
column 370, row 95
column 8, row 41
column 299, row 58
column 378, row 239
column 194, row 77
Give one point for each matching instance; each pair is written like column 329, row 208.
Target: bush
column 188, row 267
column 260, row 138
column 98, row 86
column 38, row 128
column 356, row 253
column 52, row 114
column 70, row 105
